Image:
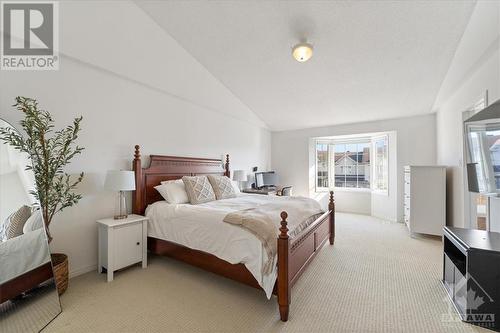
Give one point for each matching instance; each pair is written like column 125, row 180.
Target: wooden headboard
column 168, row 168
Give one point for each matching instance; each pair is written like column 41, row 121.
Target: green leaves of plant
column 50, row 152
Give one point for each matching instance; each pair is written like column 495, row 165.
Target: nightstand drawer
column 128, row 245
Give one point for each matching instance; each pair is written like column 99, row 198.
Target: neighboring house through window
column 353, row 163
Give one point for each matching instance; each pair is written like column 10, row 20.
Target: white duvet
column 201, row 227
column 22, row 254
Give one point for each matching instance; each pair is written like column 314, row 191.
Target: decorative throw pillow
column 34, row 222
column 198, row 189
column 173, row 191
column 13, row 225
column 236, row 187
column 222, row 186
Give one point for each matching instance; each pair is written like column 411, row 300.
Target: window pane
column 364, row 165
column 340, row 165
column 484, row 146
column 351, row 162
column 381, row 164
column 352, row 165
column 493, row 145
column 322, row 165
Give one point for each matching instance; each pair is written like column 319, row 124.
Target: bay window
column 354, row 163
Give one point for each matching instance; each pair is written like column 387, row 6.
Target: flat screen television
column 482, row 142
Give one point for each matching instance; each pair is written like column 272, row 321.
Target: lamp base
column 121, row 208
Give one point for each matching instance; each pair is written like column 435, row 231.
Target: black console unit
column 471, row 274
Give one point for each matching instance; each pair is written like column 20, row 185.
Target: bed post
column 137, row 199
column 227, row 173
column 331, row 208
column 283, row 281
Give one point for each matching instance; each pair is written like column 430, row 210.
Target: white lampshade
column 240, row 175
column 120, row 180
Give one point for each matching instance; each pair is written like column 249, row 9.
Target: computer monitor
column 266, row 179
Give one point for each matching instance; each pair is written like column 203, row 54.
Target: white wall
column 12, row 195
column 474, row 69
column 385, row 205
column 416, row 144
column 133, row 84
column 15, row 181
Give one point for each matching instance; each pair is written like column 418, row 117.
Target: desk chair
column 285, row 191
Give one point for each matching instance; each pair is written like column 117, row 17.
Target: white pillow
column 235, row 186
column 173, row 191
column 34, row 222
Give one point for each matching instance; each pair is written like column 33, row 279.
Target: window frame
column 331, row 170
column 318, row 189
column 374, row 158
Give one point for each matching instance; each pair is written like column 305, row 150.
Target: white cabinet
column 122, row 243
column 425, row 199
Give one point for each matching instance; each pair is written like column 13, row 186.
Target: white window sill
column 344, row 189
column 352, row 189
column 381, row 192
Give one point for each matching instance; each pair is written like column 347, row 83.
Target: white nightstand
column 122, row 243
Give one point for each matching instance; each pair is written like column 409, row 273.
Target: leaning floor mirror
column 28, row 295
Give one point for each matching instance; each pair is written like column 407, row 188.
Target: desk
column 264, row 191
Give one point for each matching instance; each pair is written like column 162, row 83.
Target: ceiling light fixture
column 302, row 52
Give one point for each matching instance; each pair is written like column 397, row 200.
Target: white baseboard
column 352, row 212
column 82, row 270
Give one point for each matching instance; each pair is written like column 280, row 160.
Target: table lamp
column 240, row 176
column 120, row 180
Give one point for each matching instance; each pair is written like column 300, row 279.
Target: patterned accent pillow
column 13, row 225
column 198, row 189
column 222, row 186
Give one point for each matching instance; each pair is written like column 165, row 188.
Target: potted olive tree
column 50, row 151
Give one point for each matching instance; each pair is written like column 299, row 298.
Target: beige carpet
column 374, row 279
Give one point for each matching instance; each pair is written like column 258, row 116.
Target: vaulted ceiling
column 372, row 59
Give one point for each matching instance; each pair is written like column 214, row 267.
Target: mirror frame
column 25, row 282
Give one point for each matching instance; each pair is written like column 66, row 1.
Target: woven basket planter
column 60, row 265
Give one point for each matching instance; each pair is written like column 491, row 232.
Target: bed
column 24, row 265
column 174, row 239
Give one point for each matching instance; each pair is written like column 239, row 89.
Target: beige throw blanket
column 264, row 221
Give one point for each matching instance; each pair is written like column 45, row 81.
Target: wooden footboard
column 294, row 254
